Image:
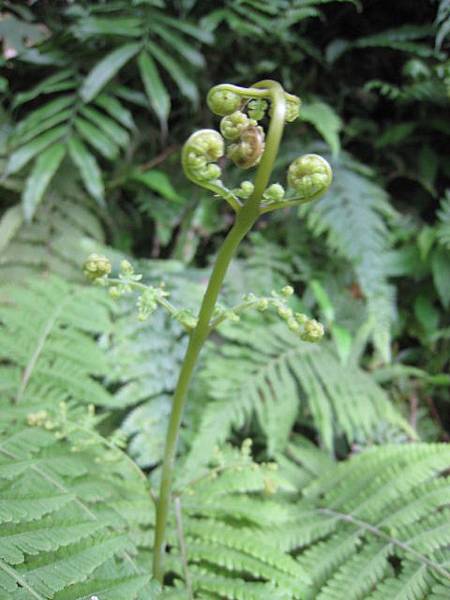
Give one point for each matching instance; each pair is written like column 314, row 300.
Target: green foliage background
column 344, row 494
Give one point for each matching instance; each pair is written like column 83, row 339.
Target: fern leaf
column 54, row 240
column 352, row 216
column 378, row 506
column 64, row 518
column 266, row 371
column 57, row 357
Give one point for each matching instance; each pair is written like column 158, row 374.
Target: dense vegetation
column 304, row 471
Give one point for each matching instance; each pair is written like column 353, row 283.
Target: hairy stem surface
column 243, row 223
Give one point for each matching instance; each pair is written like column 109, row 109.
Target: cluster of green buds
column 308, row 330
column 98, row 269
column 242, row 140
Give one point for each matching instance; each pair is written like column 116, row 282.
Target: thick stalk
column 244, row 222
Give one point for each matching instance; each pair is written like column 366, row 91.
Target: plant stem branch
column 245, row 219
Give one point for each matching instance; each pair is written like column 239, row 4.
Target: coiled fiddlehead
column 309, row 176
column 241, row 108
column 199, row 159
column 247, row 153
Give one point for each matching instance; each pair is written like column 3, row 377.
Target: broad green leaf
column 180, row 45
column 61, row 80
column 182, row 25
column 88, row 168
column 426, row 313
column 10, row 224
column 98, row 26
column 114, row 108
column 44, row 168
column 440, row 266
column 425, row 241
column 96, row 139
column 154, row 87
column 106, row 69
column 343, row 340
column 45, row 125
column 325, row 120
column 395, row 134
column 158, row 182
column 23, row 155
column 428, row 165
column 184, row 83
column 117, row 134
column 323, row 299
column 45, row 112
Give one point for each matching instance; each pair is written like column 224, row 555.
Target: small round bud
column 293, row 325
column 147, row 303
column 115, row 292
column 126, row 267
column 232, row 125
column 232, row 316
column 245, row 190
column 270, row 487
column 313, row 331
column 287, row 291
column 262, row 305
column 284, row 312
column 310, row 175
column 293, row 104
column 257, row 108
column 97, row 266
column 301, row 318
column 274, row 193
column 222, row 101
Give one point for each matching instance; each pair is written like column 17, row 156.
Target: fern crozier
column 310, row 176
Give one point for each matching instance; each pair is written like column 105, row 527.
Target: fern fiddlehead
column 309, row 177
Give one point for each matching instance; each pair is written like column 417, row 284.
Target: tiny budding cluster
column 98, row 269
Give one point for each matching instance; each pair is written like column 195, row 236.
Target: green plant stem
column 245, row 219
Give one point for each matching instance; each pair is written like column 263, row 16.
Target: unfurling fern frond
column 47, row 349
column 266, row 371
column 74, row 513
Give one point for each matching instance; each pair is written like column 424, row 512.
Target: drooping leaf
column 24, row 154
column 106, row 69
column 44, row 169
column 325, row 120
column 158, row 182
column 156, row 91
column 88, row 167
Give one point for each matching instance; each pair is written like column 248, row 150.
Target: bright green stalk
column 245, row 220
